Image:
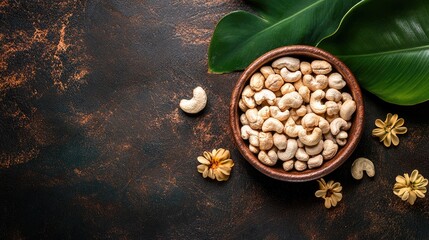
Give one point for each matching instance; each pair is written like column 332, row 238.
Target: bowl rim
column 355, row 132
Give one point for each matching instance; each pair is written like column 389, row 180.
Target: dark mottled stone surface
column 92, row 144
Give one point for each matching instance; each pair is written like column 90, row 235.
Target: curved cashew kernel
column 247, row 92
column 336, row 81
column 324, row 125
column 253, row 149
column 280, row 141
column 276, row 113
column 337, row 125
column 266, row 159
column 254, row 140
column 321, row 67
column 298, row 84
column 305, row 68
column 288, row 62
column 249, row 102
column 332, row 108
column 264, row 112
column 255, row 121
column 301, row 155
column 264, row 95
column 310, row 139
column 346, row 96
column 316, row 102
column 301, row 111
column 315, row 83
column 243, row 119
column 242, row 106
column 304, row 91
column 315, row 162
column 289, row 76
column 333, row 94
column 291, row 129
column 289, row 152
column 272, row 124
column 196, row 103
column 330, row 148
column 362, row 164
column 341, row 138
column 247, row 131
column 292, row 99
column 287, row 88
column 274, row 82
column 257, row 81
column 266, row 71
column 309, row 121
column 288, row 165
column 347, row 109
column 265, row 141
column 314, row 150
column 300, row 166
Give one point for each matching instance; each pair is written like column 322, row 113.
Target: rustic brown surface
column 92, row 144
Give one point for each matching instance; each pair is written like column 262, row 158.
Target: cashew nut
column 315, row 83
column 265, row 140
column 315, row 162
column 248, row 92
column 264, row 95
column 309, row 121
column 274, row 82
column 316, row 102
column 301, row 155
column 289, row 152
column 196, row 103
column 341, row 138
column 347, row 109
column 247, row 131
column 254, row 140
column 276, row 113
column 301, row 111
column 300, row 166
column 257, row 81
column 305, row 68
column 298, row 84
column 336, row 81
column 253, row 149
column 304, row 91
column 287, row 88
column 266, row 71
column 288, row 165
column 280, row 141
column 249, row 102
column 314, row 150
column 324, row 125
column 333, row 94
column 337, row 125
column 293, row 100
column 362, row 164
column 310, row 139
column 291, row 129
column 264, row 112
column 346, row 96
column 242, row 106
column 289, row 76
column 329, row 149
column 267, row 159
column 272, row 124
column 243, row 119
column 255, row 121
column 321, row 67
column 331, row 108
column 288, row 62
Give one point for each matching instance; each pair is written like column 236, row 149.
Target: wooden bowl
column 355, row 132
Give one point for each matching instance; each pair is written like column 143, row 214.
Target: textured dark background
column 93, row 145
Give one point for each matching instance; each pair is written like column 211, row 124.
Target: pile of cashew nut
column 296, row 111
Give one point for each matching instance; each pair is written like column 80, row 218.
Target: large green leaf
column 241, row 37
column 386, row 44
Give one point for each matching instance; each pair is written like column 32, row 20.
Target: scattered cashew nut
column 196, row 103
column 362, row 164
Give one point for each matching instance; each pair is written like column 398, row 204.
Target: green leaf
column 386, row 45
column 241, row 37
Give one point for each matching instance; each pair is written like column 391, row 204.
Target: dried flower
column 388, row 129
column 216, row 164
column 330, row 191
column 408, row 188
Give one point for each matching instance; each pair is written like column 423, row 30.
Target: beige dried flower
column 216, row 164
column 330, row 191
column 388, row 129
column 408, row 188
